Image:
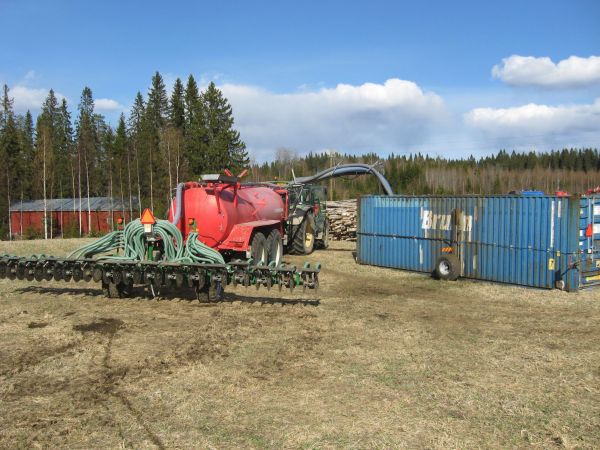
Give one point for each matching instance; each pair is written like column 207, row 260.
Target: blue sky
column 370, row 76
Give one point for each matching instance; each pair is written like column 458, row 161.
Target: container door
column 589, row 241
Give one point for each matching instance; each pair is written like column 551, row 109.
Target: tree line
column 571, row 170
column 166, row 139
column 163, row 140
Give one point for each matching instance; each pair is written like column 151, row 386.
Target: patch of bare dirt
column 107, row 326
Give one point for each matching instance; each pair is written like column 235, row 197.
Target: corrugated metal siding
column 27, row 222
column 589, row 216
column 526, row 240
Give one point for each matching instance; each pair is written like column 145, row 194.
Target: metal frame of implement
column 207, row 279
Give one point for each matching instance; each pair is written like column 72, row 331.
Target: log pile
column 342, row 220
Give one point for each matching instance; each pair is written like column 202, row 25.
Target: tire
column 210, row 293
column 274, row 247
column 121, row 290
column 258, row 248
column 304, row 238
column 447, row 267
column 324, row 243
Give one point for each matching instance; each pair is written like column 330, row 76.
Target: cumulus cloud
column 369, row 117
column 543, row 72
column 107, row 104
column 534, row 119
column 28, row 98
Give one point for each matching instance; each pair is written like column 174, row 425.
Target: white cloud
column 107, row 104
column 543, row 72
column 536, row 126
column 534, row 119
column 371, row 117
column 28, row 98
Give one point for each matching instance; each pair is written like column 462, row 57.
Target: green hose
column 112, row 241
column 132, row 242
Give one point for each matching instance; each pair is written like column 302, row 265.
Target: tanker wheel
column 258, row 249
column 304, row 239
column 275, row 247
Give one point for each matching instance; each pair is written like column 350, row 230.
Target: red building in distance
column 64, row 216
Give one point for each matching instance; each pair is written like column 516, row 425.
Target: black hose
column 347, row 169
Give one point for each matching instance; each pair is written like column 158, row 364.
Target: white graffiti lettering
column 433, row 221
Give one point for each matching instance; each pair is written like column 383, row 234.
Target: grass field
column 375, row 359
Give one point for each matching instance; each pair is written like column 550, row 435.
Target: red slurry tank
column 225, row 214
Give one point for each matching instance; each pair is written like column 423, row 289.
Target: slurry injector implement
column 221, row 232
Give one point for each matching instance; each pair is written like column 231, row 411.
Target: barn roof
column 68, row 204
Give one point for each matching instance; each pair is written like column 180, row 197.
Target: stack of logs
column 342, row 220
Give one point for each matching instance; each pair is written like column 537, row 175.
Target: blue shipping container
column 541, row 241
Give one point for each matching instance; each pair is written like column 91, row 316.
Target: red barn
column 65, row 214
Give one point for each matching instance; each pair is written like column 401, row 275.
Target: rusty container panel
column 525, row 240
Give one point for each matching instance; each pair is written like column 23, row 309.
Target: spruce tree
column 191, row 100
column 65, row 161
column 225, row 148
column 120, row 158
column 47, row 151
column 173, row 136
column 27, row 154
column 158, row 103
column 153, row 127
column 135, row 125
column 177, row 106
column 86, row 153
column 10, row 152
column 7, row 106
column 196, row 133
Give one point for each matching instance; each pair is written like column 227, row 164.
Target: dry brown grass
column 376, row 359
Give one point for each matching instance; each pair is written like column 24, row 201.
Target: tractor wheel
column 304, row 239
column 324, row 243
column 258, row 249
column 447, row 267
column 274, row 247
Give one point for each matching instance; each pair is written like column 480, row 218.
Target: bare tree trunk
column 74, row 191
column 121, row 189
column 137, row 161
column 169, row 165
column 177, row 162
column 44, row 183
column 129, row 185
column 21, row 215
column 79, row 186
column 51, row 215
column 62, row 219
column 110, row 193
column 87, row 177
column 9, row 218
column 151, row 184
